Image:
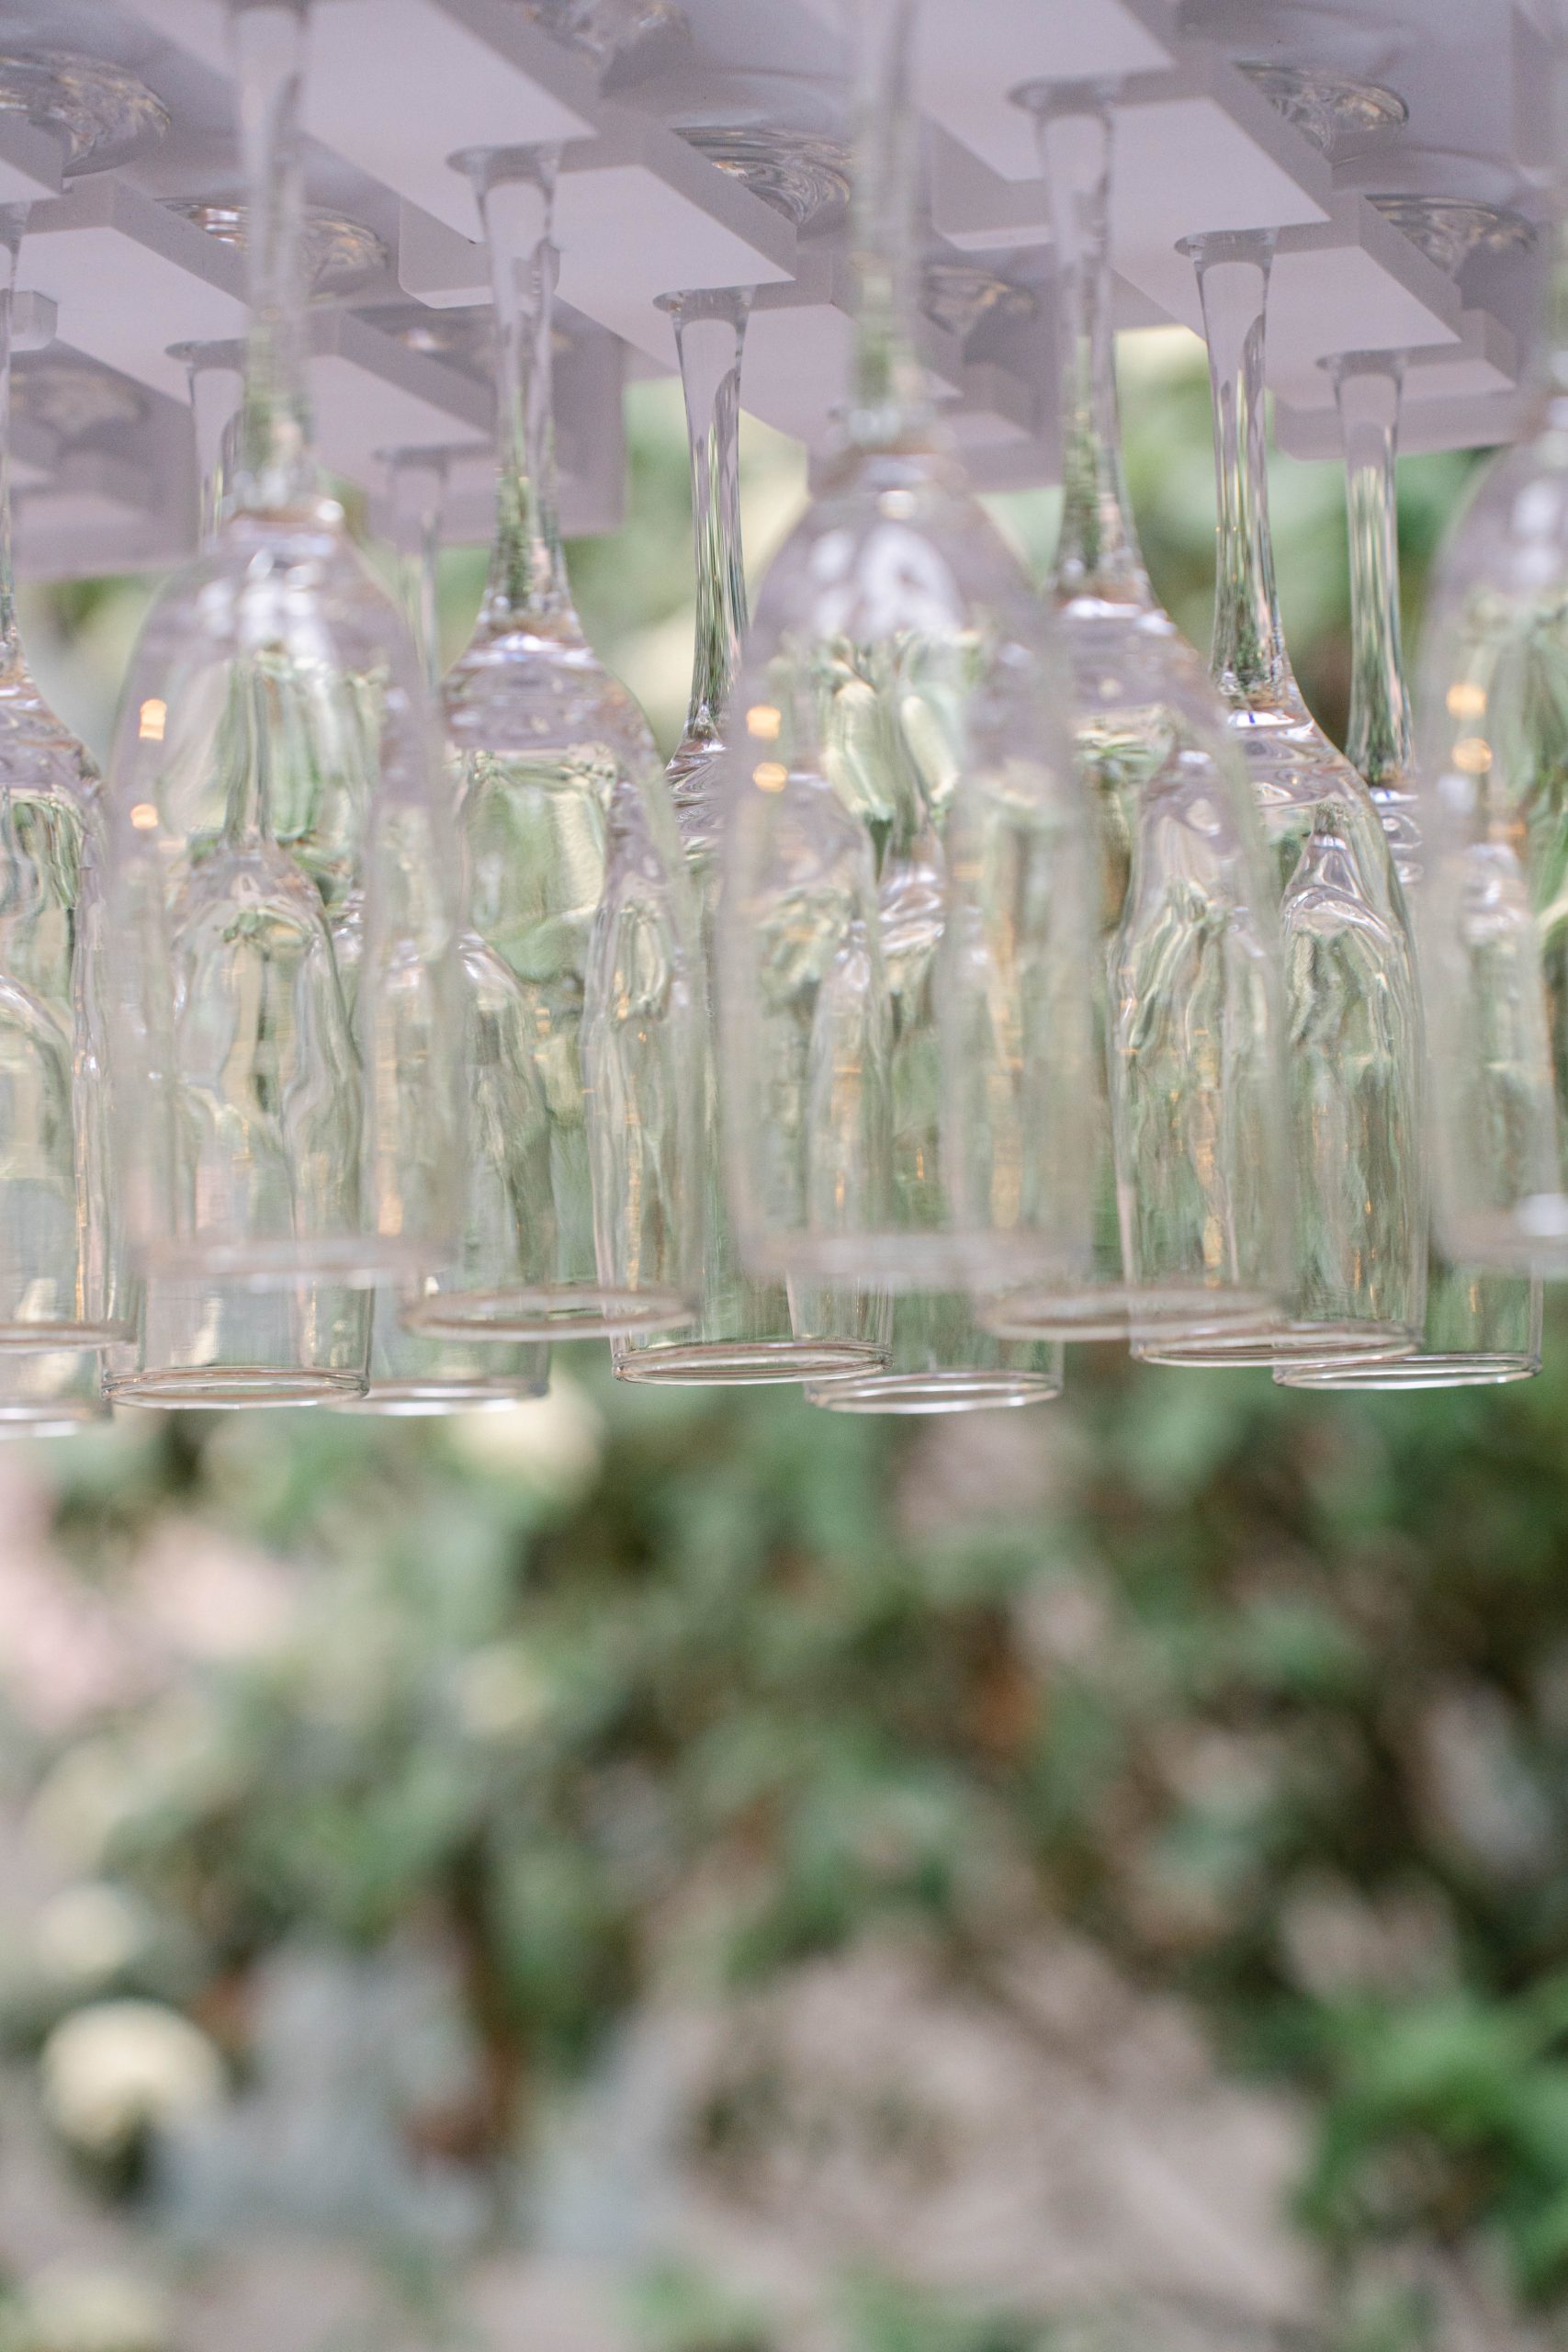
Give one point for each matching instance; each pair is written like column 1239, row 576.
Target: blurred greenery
column 1266, row 1693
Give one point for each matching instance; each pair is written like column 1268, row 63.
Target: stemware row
column 984, row 972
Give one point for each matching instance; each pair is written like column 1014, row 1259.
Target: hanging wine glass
column 220, row 1341
column 584, row 1054
column 1480, row 1327
column 283, row 884
column 1354, row 1043
column 410, row 1372
column 747, row 1331
column 62, row 1281
column 1492, row 766
column 1192, row 1185
column 904, row 939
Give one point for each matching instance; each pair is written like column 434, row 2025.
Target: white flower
column 112, row 2070
column 552, row 1442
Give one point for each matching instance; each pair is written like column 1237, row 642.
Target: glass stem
column 710, row 337
column 1368, row 385
column 1097, row 553
column 1249, row 658
column 417, row 482
column 13, row 220
column 215, row 372
column 889, row 401
column 516, row 197
column 274, row 467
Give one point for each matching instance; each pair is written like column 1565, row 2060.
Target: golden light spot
column 144, row 816
column 1465, row 699
column 150, row 719
column 1473, row 755
column 764, row 720
column 770, row 775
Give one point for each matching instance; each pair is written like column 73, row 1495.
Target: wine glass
column 747, row 1331
column 1491, row 737
column 583, row 994
column 283, row 888
column 410, row 1372
column 1191, row 1186
column 63, row 1284
column 1481, row 1327
column 1353, row 1053
column 904, row 936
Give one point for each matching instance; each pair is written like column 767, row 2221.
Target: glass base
column 737, row 1364
column 1327, row 108
column 1435, row 1370
column 1324, row 1344
column 1114, row 1311
column 411, row 1397
column 27, row 1339
column 222, row 1389
column 570, row 1312
column 102, row 112
column 960, row 1391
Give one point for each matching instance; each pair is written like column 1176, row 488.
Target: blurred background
column 648, row 1871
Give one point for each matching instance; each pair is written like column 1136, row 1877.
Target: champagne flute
column 283, row 888
column 63, row 1284
column 1192, row 1187
column 904, row 941
column 1493, row 807
column 410, row 1372
column 748, row 1331
column 583, row 1056
column 1481, row 1327
column 1354, row 1037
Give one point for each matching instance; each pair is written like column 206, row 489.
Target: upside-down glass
column 904, row 936
column 410, row 1372
column 1492, row 742
column 583, row 1054
column 1481, row 1327
column 62, row 1280
column 1353, row 1056
column 221, row 1341
column 747, row 1331
column 1191, row 1230
column 283, row 884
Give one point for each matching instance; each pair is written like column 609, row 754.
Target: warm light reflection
column 151, row 719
